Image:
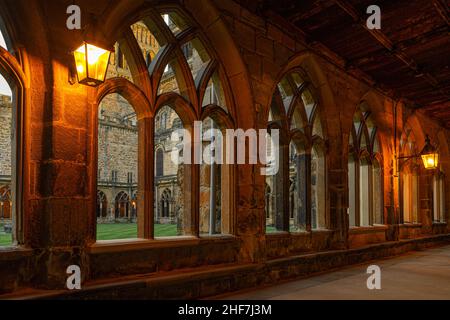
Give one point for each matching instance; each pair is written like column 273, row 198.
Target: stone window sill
column 410, row 225
column 285, row 234
column 321, row 231
column 437, row 223
column 14, row 253
column 367, row 229
column 110, row 246
column 278, row 234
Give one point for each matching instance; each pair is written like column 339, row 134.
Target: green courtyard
column 5, row 239
column 111, row 231
column 118, row 231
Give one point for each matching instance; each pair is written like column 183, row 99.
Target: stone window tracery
column 11, row 125
column 298, row 190
column 185, row 83
column 365, row 171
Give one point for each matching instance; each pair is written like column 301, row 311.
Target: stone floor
column 417, row 275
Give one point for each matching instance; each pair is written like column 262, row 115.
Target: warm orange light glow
column 430, row 161
column 91, row 63
column 429, row 154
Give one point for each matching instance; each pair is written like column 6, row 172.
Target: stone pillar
column 426, row 201
column 280, row 191
column 303, row 164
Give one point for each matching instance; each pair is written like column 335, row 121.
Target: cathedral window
column 11, row 100
column 188, row 85
column 301, row 204
column 365, row 171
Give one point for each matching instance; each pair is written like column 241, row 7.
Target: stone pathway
column 417, row 275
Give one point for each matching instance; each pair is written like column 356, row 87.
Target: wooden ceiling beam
column 389, row 45
column 319, row 6
column 442, row 10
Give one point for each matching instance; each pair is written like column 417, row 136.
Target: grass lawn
column 5, row 239
column 120, row 231
column 129, row 230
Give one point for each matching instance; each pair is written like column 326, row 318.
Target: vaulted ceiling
column 408, row 57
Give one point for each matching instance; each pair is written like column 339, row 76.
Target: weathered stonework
column 62, row 129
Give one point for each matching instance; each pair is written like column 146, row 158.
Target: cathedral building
column 190, row 149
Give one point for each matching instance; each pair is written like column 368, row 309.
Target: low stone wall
column 285, row 244
column 149, row 257
column 363, row 236
column 210, row 281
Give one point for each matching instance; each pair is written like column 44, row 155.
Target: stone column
column 303, row 164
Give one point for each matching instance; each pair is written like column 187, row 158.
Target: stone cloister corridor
column 190, row 149
column 414, row 276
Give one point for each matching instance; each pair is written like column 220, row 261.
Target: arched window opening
column 409, row 170
column 102, row 205
column 8, row 114
column 182, row 71
column 215, row 181
column 439, row 197
column 172, row 217
column 294, row 110
column 365, row 172
column 117, row 168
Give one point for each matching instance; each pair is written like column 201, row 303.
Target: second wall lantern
column 91, row 64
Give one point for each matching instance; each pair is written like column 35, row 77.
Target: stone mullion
column 357, row 193
column 146, row 179
column 191, row 187
column 303, row 163
column 401, row 182
column 371, row 195
column 281, row 191
column 426, row 202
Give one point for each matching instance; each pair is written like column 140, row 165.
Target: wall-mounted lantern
column 91, row 63
column 429, row 154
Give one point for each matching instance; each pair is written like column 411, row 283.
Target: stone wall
column 5, row 135
column 59, row 136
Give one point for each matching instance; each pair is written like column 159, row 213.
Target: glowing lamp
column 91, row 63
column 429, row 155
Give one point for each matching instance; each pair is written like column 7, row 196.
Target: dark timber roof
column 408, row 57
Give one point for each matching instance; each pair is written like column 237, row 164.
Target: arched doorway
column 122, row 205
column 5, row 203
column 102, row 205
column 166, row 198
